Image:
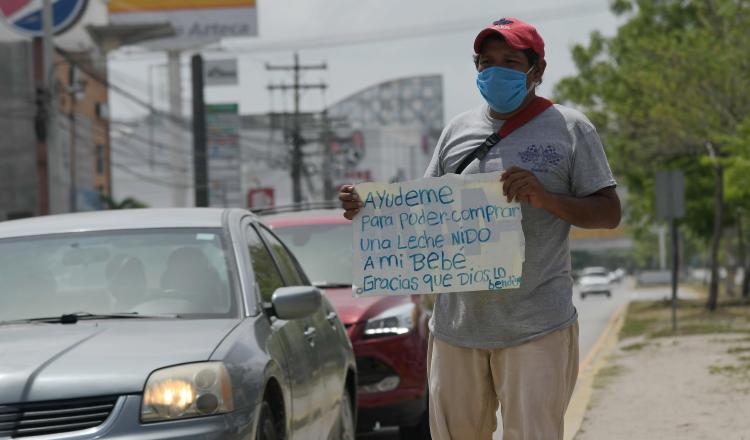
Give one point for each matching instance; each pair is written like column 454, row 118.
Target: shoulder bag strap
column 535, row 107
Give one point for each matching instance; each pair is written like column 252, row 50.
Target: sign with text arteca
column 445, row 234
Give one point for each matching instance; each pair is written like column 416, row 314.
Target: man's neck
column 503, row 116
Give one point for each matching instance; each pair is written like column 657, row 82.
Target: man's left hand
column 523, row 186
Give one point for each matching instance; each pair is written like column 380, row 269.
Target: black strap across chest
column 532, row 110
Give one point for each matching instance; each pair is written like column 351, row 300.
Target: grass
column 653, row 319
column 606, row 375
column 731, row 370
column 648, row 320
column 635, row 347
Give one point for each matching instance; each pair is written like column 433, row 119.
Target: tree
column 127, row 203
column 669, row 90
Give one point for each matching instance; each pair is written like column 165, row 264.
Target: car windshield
column 162, row 272
column 595, row 274
column 323, row 250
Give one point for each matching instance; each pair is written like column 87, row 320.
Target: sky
column 363, row 43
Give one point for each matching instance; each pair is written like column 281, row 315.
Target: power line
column 297, row 141
column 130, row 171
column 96, row 76
column 565, row 11
column 411, row 32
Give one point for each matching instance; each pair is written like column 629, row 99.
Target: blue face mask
column 504, row 89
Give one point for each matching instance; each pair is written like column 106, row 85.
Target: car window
column 266, row 273
column 309, row 242
column 287, row 265
column 158, row 271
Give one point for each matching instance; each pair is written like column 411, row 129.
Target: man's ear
column 538, row 72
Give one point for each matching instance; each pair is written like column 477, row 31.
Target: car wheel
column 420, row 431
column 345, row 425
column 266, row 424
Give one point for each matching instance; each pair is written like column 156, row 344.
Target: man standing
column 516, row 347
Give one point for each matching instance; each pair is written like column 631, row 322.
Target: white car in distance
column 595, row 281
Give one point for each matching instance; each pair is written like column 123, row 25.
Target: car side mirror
column 296, row 301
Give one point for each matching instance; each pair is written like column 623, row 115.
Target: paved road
column 593, row 315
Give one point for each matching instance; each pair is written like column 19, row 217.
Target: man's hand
column 350, row 201
column 598, row 210
column 523, row 186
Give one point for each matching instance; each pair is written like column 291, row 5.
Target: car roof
column 597, row 273
column 592, row 269
column 118, row 219
column 306, row 217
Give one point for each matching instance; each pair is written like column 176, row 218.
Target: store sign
column 25, row 16
column 224, row 160
column 196, row 22
column 220, row 72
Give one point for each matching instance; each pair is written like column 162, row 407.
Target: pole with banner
column 224, row 158
column 670, row 206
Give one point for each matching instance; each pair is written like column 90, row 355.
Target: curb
column 587, row 370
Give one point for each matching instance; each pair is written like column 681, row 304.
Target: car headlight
column 395, row 321
column 185, row 391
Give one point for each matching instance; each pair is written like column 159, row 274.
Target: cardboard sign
column 446, row 234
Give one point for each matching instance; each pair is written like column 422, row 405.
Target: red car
column 388, row 333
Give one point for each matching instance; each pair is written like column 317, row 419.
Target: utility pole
column 327, row 139
column 670, row 206
column 46, row 106
column 327, row 159
column 297, row 140
column 178, row 159
column 75, row 87
column 200, row 160
column 41, row 127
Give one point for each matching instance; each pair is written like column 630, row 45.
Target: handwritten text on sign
column 445, row 234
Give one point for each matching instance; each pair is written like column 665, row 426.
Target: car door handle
column 331, row 317
column 310, row 335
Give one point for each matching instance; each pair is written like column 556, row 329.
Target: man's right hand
column 350, row 201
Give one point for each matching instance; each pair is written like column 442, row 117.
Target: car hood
column 41, row 361
column 353, row 310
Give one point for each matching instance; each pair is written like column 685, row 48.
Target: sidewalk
column 656, row 386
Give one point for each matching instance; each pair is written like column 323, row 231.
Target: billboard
column 196, row 22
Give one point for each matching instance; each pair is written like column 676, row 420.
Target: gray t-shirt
column 562, row 148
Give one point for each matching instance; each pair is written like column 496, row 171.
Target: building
column 77, row 163
column 393, row 128
column 18, row 177
column 386, row 132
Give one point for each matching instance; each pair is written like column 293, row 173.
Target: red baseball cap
column 517, row 34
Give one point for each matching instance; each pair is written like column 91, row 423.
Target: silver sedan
column 166, row 324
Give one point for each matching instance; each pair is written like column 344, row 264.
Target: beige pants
column 533, row 383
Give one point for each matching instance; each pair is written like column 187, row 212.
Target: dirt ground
column 685, row 387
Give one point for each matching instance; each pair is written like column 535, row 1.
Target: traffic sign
column 670, row 194
column 25, row 16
